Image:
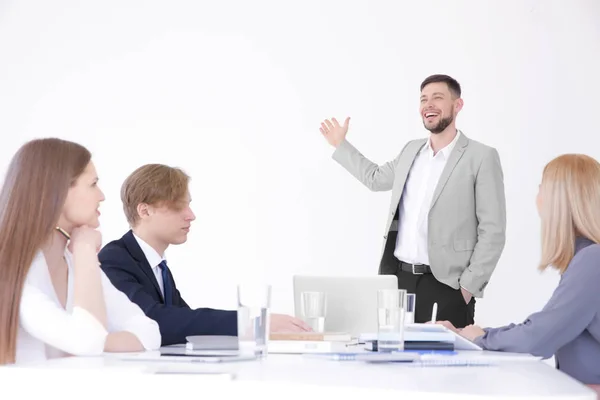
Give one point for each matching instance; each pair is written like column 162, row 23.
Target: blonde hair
column 154, row 184
column 570, row 207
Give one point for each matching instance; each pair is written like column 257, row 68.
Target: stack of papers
column 309, row 342
column 429, row 333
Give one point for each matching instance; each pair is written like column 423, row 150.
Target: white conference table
column 284, row 376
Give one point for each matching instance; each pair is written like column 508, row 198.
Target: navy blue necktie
column 166, row 283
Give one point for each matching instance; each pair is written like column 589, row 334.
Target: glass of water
column 411, row 303
column 254, row 301
column 391, row 305
column 313, row 309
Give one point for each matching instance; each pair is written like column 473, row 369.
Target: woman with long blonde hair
column 568, row 327
column 54, row 298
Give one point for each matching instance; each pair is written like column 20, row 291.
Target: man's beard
column 440, row 126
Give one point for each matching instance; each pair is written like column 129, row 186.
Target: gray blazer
column 467, row 219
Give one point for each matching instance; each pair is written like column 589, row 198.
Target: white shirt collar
column 151, row 255
column 446, row 150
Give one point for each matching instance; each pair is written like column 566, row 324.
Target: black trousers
column 428, row 290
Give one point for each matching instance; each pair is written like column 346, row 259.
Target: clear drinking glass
column 411, row 303
column 254, row 301
column 313, row 309
column 391, row 305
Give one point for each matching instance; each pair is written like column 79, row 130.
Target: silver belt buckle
column 413, row 270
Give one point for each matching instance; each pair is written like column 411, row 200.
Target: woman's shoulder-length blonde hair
column 570, row 207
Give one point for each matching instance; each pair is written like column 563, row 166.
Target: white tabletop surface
column 289, row 376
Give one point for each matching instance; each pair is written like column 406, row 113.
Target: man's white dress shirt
column 411, row 243
column 154, row 259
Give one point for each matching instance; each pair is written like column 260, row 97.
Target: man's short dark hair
column 452, row 83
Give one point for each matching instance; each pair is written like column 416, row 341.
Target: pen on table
column 434, row 312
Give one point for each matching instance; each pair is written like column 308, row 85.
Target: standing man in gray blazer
column 447, row 219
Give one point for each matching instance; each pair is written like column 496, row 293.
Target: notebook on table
column 312, row 336
column 212, row 343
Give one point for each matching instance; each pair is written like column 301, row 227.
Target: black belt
column 415, row 269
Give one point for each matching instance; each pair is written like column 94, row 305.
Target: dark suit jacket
column 125, row 264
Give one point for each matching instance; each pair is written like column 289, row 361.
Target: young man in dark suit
column 156, row 201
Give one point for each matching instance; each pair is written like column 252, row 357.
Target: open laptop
column 351, row 300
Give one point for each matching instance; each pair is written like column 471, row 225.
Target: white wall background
column 234, row 91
